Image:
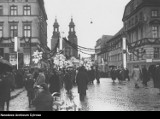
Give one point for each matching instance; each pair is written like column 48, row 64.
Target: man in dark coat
column 82, row 81
column 92, row 75
column 19, row 79
column 157, row 77
column 44, row 100
column 68, row 81
column 113, row 74
column 29, row 85
column 145, row 76
column 7, row 84
column 54, row 83
column 127, row 74
column 97, row 75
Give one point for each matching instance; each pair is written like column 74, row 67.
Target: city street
column 106, row 96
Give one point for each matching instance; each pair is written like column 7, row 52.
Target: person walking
column 29, row 85
column 136, row 75
column 44, row 100
column 54, row 83
column 97, row 75
column 68, row 81
column 82, row 82
column 145, row 76
column 157, row 78
column 127, row 74
column 113, row 74
column 41, row 78
column 92, row 75
column 6, row 85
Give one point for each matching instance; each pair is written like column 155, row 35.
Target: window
column 27, row 30
column 1, row 10
column 13, row 10
column 141, row 16
column 138, row 54
column 156, row 53
column 155, row 31
column 1, row 31
column 141, row 29
column 27, row 10
column 13, row 30
column 154, row 13
column 136, row 19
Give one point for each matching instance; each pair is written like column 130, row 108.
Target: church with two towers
column 68, row 51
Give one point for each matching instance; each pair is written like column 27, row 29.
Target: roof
column 121, row 31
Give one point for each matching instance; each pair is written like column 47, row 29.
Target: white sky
column 105, row 14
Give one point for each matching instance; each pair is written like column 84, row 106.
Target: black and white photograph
column 79, row 55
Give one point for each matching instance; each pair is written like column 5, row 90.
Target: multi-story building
column 115, row 50
column 25, row 19
column 142, row 28
column 101, row 55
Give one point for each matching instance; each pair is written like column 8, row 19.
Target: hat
column 44, row 86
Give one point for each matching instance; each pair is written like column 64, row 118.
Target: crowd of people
column 40, row 84
column 9, row 81
column 119, row 73
column 139, row 74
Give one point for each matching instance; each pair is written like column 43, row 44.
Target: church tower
column 55, row 36
column 73, row 39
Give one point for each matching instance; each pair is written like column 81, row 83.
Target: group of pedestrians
column 121, row 74
column 9, row 81
column 140, row 75
column 41, row 84
column 145, row 74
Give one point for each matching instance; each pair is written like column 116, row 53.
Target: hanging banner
column 16, row 44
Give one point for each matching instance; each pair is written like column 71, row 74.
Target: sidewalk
column 16, row 93
column 19, row 101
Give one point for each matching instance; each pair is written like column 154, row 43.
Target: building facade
column 142, row 29
column 27, row 20
column 115, row 50
column 101, row 56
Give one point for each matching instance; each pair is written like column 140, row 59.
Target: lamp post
column 28, row 41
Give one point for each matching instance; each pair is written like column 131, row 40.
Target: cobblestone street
column 106, row 96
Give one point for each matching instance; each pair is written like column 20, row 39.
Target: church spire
column 56, row 26
column 71, row 26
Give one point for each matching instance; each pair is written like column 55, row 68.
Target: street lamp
column 28, row 41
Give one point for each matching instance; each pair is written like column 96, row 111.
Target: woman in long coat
column 136, row 75
column 82, row 81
